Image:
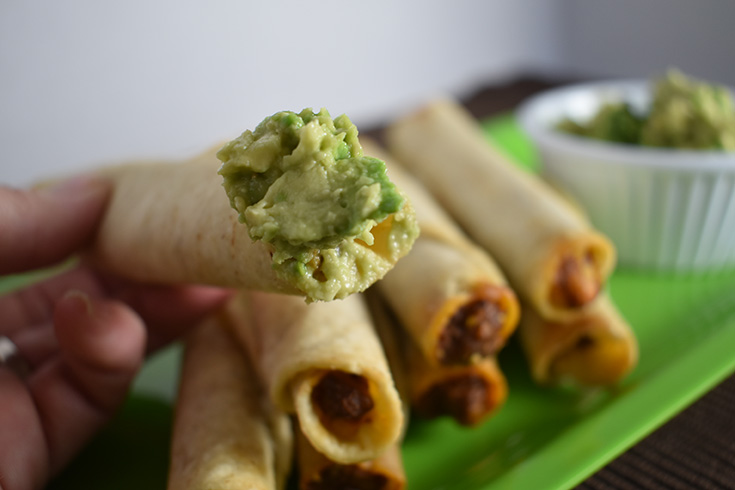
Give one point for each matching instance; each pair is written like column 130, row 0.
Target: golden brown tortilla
column 171, row 222
column 449, row 294
column 552, row 256
column 226, row 436
column 306, row 351
column 595, row 349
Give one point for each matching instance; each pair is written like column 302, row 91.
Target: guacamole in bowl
column 683, row 113
column 651, row 163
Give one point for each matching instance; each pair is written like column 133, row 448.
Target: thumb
column 44, row 226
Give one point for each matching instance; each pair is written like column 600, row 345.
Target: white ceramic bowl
column 664, row 209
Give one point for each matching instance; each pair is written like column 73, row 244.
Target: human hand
column 84, row 334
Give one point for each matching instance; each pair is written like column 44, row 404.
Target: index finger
column 42, row 227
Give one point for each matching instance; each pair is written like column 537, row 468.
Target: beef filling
column 348, row 477
column 343, row 396
column 463, row 398
column 473, row 330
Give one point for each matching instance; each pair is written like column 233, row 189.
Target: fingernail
column 78, row 302
column 78, row 187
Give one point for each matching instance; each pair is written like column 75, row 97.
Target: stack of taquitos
column 469, row 393
column 324, row 363
column 456, row 308
column 229, row 433
column 385, row 472
column 556, row 261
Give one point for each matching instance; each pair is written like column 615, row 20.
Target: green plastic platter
column 541, row 438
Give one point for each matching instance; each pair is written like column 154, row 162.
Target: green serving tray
column 541, row 439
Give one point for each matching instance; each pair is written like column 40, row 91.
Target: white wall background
column 87, row 82
column 634, row 38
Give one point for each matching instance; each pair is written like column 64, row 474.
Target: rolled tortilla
column 595, row 349
column 553, row 258
column 451, row 297
column 469, row 393
column 172, row 222
column 226, row 436
column 324, row 362
column 317, row 472
column 386, row 472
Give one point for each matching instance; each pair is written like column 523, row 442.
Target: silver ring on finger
column 12, row 359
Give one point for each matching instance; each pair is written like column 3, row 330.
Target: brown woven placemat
column 695, row 449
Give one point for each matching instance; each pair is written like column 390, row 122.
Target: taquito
column 449, row 294
column 597, row 348
column 226, row 436
column 552, row 256
column 324, row 362
column 317, row 472
column 386, row 472
column 468, row 393
column 302, row 211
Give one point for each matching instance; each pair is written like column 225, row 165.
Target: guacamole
column 301, row 183
column 684, row 113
